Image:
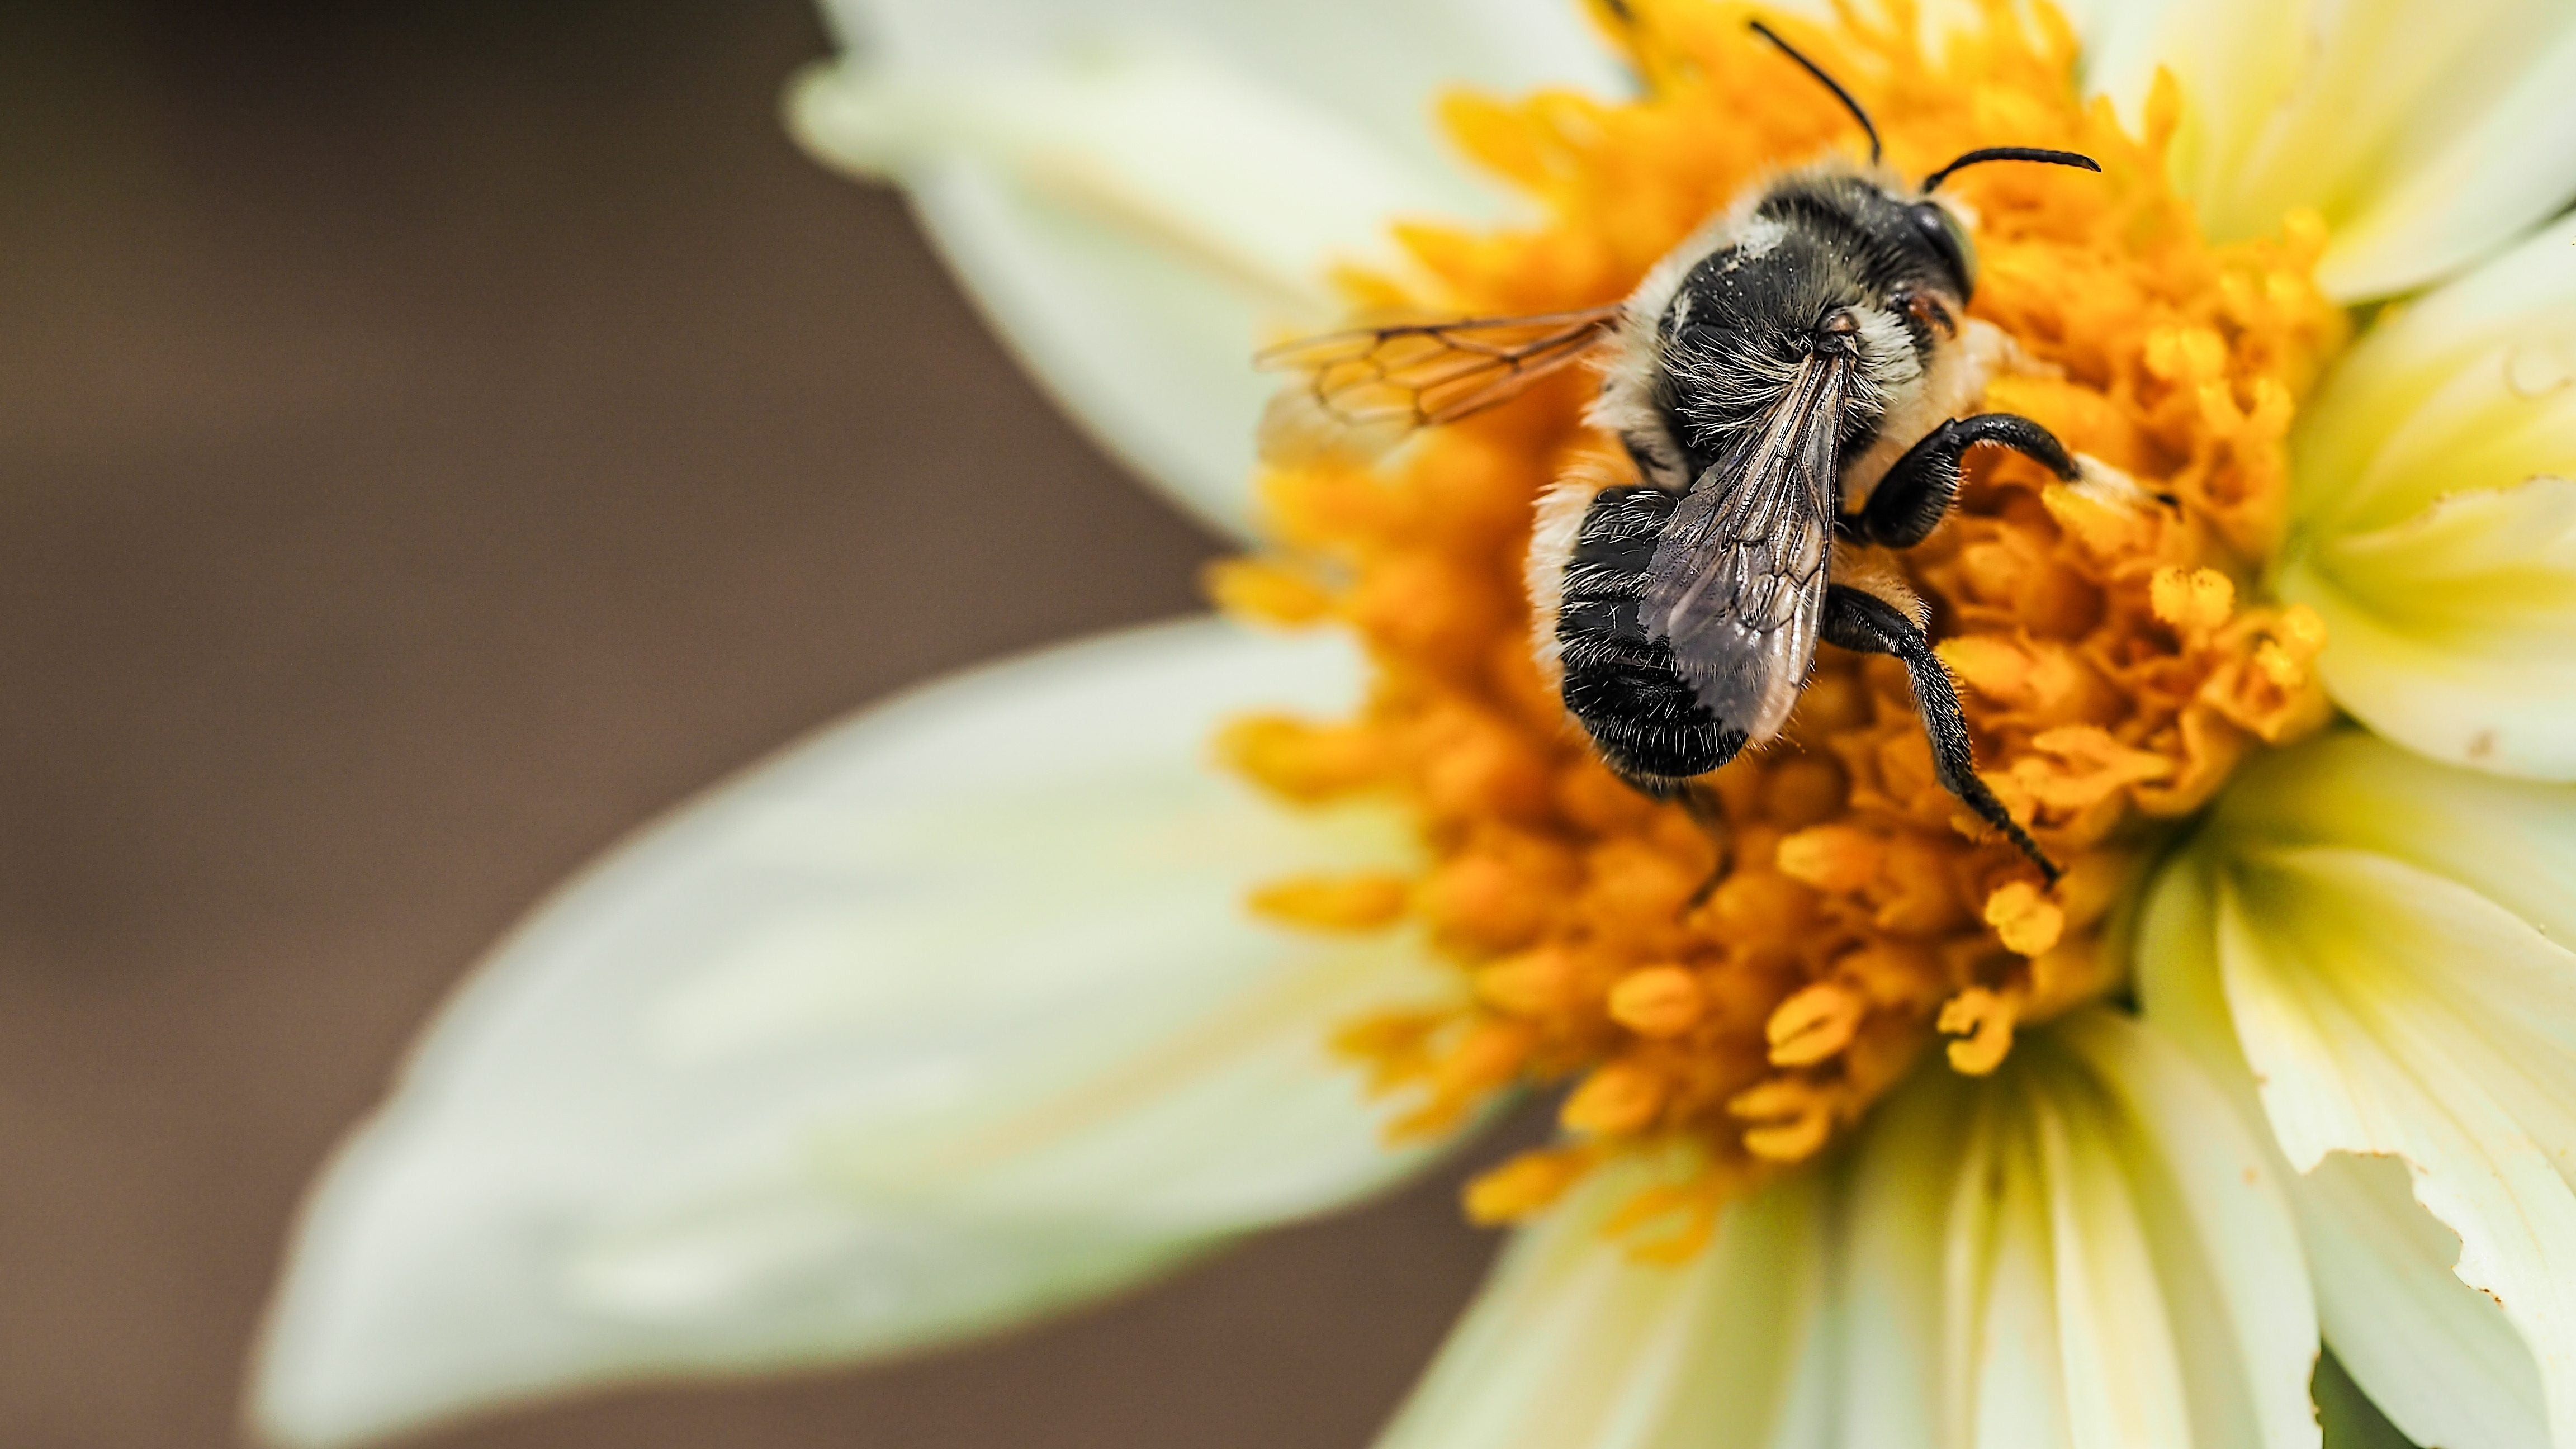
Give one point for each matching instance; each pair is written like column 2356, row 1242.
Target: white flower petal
column 2454, row 632
column 1890, row 1309
column 2469, row 387
column 2436, row 519
column 2211, row 1200
column 1577, row 1344
column 2427, row 132
column 1171, row 146
column 1134, row 190
column 2437, row 1358
column 2087, row 1249
column 2435, row 1354
column 2386, row 1009
column 2514, row 842
column 2382, row 932
column 945, row 1017
column 1376, row 64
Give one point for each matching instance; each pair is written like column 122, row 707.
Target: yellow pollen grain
column 1334, row 903
column 1657, row 1001
column 1396, row 1049
column 1791, row 1119
column 2102, row 525
column 1830, row 857
column 1893, row 972
column 2186, row 354
column 1790, row 1142
column 2270, row 687
column 1264, row 589
column 1492, row 1052
column 2027, row 922
column 1669, row 1225
column 1750, row 972
column 1618, row 1098
column 1487, row 1058
column 1531, row 984
column 1484, row 903
column 1526, row 1184
column 1303, row 761
column 1761, row 908
column 1815, row 1024
column 1982, row 1020
column 2193, row 602
column 1996, row 668
column 2303, row 230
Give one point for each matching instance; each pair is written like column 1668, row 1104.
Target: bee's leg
column 1699, row 801
column 1905, row 506
column 1858, row 620
column 1709, row 814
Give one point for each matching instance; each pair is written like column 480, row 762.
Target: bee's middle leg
column 1920, row 487
column 1859, row 620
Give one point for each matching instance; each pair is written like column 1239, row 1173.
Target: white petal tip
column 840, row 120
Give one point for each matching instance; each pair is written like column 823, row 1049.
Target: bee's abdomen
column 1622, row 684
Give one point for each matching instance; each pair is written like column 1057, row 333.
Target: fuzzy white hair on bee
column 1794, row 384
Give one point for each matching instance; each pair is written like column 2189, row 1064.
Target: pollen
column 1333, row 903
column 1815, row 1024
column 1751, row 975
column 1659, row 1001
column 2025, row 921
column 1525, row 1184
column 1982, row 1022
column 1267, row 590
column 2193, row 602
column 1617, row 1099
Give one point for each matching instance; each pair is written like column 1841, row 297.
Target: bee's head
column 1864, row 234
column 1925, row 224
column 1934, row 227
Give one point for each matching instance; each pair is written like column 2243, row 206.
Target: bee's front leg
column 1859, row 620
column 1918, row 490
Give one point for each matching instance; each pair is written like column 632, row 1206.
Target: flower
column 997, row 997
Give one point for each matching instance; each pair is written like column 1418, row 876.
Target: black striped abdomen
column 1622, row 685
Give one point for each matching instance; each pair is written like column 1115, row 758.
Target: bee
column 1798, row 374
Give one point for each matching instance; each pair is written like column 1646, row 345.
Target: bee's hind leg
column 1709, row 813
column 1919, row 488
column 1700, row 801
column 1858, row 620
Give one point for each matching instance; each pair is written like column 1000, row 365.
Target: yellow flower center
column 1755, row 982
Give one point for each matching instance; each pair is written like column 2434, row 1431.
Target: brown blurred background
column 433, row 438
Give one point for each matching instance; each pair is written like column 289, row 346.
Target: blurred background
column 435, row 438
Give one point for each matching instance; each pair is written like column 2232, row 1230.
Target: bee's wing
column 1738, row 580
column 1365, row 389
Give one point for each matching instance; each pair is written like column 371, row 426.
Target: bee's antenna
column 2011, row 153
column 1831, row 84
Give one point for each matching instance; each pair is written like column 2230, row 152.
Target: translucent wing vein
column 1366, row 388
column 1738, row 580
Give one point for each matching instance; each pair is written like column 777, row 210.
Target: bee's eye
column 1949, row 241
